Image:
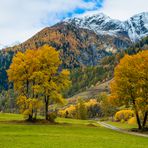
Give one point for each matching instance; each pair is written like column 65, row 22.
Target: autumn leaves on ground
column 47, row 119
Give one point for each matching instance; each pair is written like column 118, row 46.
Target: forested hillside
column 82, row 76
column 90, row 57
column 5, row 61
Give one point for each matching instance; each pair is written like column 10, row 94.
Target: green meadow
column 66, row 133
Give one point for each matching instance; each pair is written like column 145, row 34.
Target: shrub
column 107, row 108
column 52, row 116
column 69, row 112
column 93, row 108
column 61, row 113
column 81, row 110
column 124, row 115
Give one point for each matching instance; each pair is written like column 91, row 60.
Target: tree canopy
column 130, row 85
column 38, row 78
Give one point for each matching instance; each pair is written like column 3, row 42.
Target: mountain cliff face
column 135, row 28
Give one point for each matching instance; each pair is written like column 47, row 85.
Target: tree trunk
column 46, row 107
column 137, row 115
column 29, row 118
column 35, row 114
column 138, row 120
column 27, row 88
column 145, row 119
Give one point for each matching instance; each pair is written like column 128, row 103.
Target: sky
column 21, row 19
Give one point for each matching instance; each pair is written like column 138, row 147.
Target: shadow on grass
column 46, row 122
column 34, row 122
column 144, row 130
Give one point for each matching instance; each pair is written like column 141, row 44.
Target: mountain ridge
column 136, row 27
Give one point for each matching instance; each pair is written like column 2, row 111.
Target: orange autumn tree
column 130, row 85
column 37, row 79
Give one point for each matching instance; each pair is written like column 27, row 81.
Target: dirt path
column 121, row 130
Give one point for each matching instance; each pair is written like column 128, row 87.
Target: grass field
column 68, row 133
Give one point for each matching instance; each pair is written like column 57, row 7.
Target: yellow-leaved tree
column 20, row 73
column 50, row 78
column 130, row 85
column 38, row 78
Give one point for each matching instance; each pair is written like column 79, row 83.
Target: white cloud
column 20, row 19
column 120, row 9
column 123, row 9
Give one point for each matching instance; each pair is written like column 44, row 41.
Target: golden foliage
column 130, row 84
column 28, row 105
column 130, row 78
column 36, row 76
column 69, row 112
column 124, row 115
column 91, row 102
column 81, row 110
column 132, row 121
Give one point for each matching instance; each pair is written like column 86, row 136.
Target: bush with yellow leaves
column 132, row 121
column 124, row 115
column 69, row 112
column 93, row 108
column 82, row 110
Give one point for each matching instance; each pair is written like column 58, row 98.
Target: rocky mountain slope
column 78, row 47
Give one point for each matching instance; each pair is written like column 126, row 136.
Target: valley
column 81, row 82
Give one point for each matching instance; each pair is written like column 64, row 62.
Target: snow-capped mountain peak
column 135, row 28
